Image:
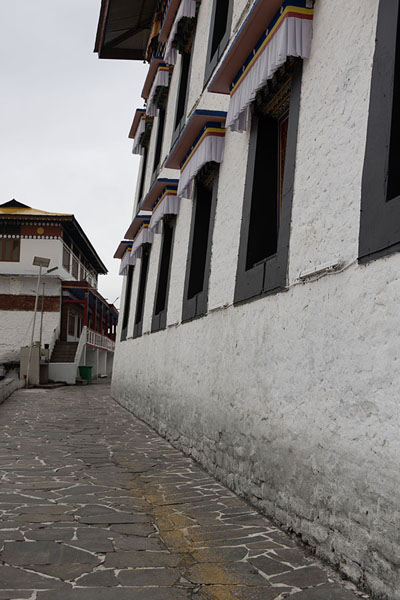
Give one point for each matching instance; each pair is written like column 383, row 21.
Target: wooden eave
column 255, row 24
column 156, row 190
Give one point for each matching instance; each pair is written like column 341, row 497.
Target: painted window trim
column 270, row 276
column 380, row 219
column 212, row 61
column 196, row 307
column 159, row 321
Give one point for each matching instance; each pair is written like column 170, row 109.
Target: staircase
column 64, row 352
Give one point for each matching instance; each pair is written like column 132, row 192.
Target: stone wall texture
column 292, row 399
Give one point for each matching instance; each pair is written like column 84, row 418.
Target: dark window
column 160, row 304
column 380, row 195
column 160, row 136
column 75, row 268
column 219, row 33
column 9, row 249
column 199, row 256
column 127, row 302
column 142, row 175
column 264, row 236
column 182, row 93
column 144, row 267
column 71, row 324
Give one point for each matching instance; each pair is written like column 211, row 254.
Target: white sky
column 64, row 121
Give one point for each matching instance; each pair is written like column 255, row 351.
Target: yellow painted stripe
column 207, row 132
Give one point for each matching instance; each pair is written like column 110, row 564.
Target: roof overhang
column 124, row 245
column 255, row 24
column 124, row 28
column 155, row 62
column 156, row 190
column 139, row 113
column 189, row 134
column 168, row 20
column 136, row 224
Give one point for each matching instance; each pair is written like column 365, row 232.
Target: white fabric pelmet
column 125, row 262
column 293, row 38
column 169, row 206
column 144, row 237
column 160, row 80
column 187, row 8
column 137, row 148
column 210, row 149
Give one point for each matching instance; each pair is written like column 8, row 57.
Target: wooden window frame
column 212, row 61
column 3, row 243
column 142, row 175
column 141, row 297
column 127, row 303
column 162, row 112
column 380, row 217
column 196, row 306
column 270, row 275
column 159, row 320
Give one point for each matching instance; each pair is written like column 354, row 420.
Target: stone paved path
column 96, row 506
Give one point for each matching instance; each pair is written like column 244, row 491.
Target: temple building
column 260, row 266
column 75, row 323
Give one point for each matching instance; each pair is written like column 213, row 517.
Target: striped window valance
column 143, row 236
column 161, row 79
column 187, row 9
column 288, row 34
column 125, row 262
column 137, row 142
column 168, row 203
column 208, row 147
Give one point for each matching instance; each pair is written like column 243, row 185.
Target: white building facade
column 259, row 318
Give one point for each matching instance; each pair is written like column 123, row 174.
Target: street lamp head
column 39, row 261
column 51, row 270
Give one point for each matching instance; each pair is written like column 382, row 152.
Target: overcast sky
column 64, row 121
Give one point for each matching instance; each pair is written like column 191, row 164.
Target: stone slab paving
column 95, row 506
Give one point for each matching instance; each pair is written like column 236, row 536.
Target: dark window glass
column 199, row 255
column 393, row 187
column 200, row 239
column 161, row 298
column 263, row 228
column 66, row 258
column 160, row 136
column 9, row 249
column 183, row 88
column 220, row 24
column 142, row 174
column 127, row 302
column 142, row 290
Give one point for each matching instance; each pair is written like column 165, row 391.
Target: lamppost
column 40, row 262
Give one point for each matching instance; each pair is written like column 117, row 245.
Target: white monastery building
column 261, row 268
column 75, row 323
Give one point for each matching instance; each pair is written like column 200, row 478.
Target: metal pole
column 41, row 316
column 33, row 326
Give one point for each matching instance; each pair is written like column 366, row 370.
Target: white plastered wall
column 292, row 399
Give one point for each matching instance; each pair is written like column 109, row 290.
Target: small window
column 221, row 18
column 159, row 140
column 66, row 258
column 182, row 94
column 127, row 302
column 161, row 299
column 264, row 237
column 10, row 249
column 144, row 267
column 75, row 268
column 380, row 192
column 195, row 299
